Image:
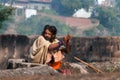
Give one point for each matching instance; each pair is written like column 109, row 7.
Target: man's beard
column 47, row 38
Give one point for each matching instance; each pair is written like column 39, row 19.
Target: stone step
column 20, row 63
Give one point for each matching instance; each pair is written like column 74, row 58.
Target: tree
column 105, row 15
column 3, row 1
column 68, row 7
column 35, row 24
column 118, row 3
column 109, row 18
column 5, row 12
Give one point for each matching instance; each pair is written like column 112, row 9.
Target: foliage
column 4, row 26
column 35, row 25
column 90, row 32
column 109, row 18
column 100, row 27
column 118, row 3
column 52, row 12
column 100, row 30
column 5, row 13
column 68, row 7
column 115, row 30
column 59, row 8
column 105, row 14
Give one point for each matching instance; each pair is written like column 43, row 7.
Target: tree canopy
column 68, row 7
column 109, row 17
column 105, row 15
column 118, row 3
column 35, row 25
column 5, row 12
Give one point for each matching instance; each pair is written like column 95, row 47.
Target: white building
column 82, row 13
column 100, row 2
column 30, row 12
column 107, row 3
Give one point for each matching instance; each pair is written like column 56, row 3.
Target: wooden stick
column 89, row 65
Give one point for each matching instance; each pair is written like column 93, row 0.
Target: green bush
column 35, row 25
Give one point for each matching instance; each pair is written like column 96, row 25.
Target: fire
column 56, row 65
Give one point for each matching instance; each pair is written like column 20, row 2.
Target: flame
column 56, row 65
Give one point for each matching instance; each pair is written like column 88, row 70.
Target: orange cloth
column 56, row 65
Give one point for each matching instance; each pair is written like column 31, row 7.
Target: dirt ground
column 111, row 72
column 93, row 76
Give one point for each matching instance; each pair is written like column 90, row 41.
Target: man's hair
column 52, row 29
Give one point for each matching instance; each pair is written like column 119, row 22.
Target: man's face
column 48, row 35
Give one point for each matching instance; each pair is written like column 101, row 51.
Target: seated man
column 47, row 49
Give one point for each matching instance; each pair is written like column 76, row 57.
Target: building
column 23, row 7
column 82, row 13
column 31, row 4
column 106, row 3
column 30, row 12
column 35, row 4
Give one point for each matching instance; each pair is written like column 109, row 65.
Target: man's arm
column 65, row 42
column 55, row 45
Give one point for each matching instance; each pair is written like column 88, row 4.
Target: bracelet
column 60, row 43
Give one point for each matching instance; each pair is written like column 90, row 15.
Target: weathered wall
column 13, row 46
column 86, row 48
column 95, row 48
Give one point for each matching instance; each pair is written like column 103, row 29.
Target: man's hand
column 66, row 40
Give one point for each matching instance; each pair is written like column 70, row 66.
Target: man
column 47, row 49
